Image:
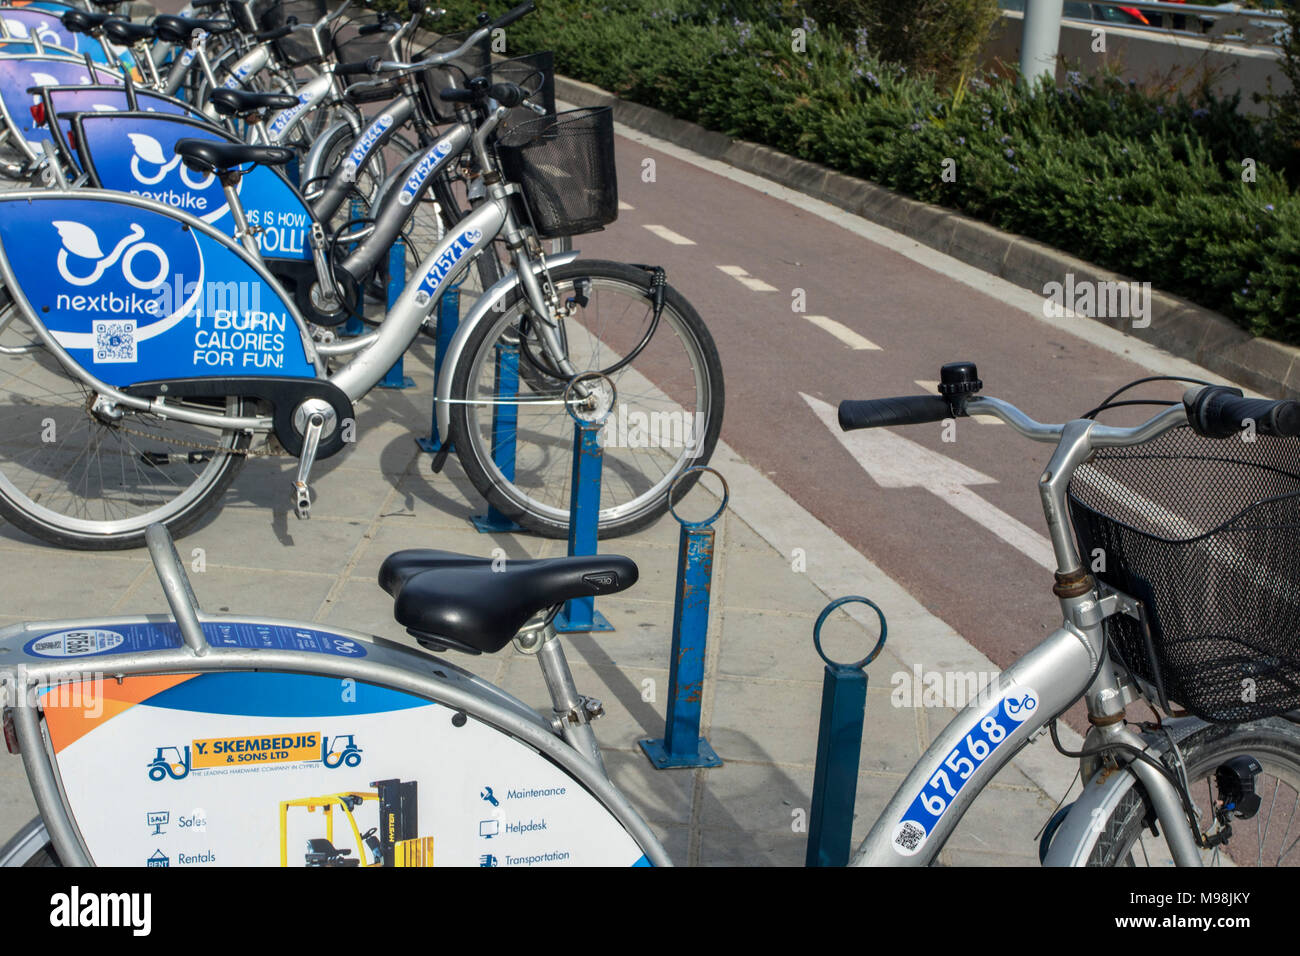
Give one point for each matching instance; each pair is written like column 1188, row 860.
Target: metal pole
column 682, row 745
column 505, row 423
column 580, row 614
column 1040, row 39
column 839, row 746
column 396, row 378
column 448, row 322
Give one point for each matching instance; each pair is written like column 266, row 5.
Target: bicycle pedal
column 301, row 500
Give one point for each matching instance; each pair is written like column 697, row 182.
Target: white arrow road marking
column 677, row 239
column 750, row 283
column 933, row 389
column 842, row 332
column 893, row 461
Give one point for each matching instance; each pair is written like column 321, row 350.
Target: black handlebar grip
column 507, row 94
column 884, row 412
column 511, row 16
column 1219, row 412
column 276, row 33
column 457, row 96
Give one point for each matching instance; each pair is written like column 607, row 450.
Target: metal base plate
column 429, row 445
column 598, row 623
column 493, row 523
column 405, row 382
column 663, row 760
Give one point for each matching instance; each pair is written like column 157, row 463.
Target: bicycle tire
column 1274, row 742
column 542, row 505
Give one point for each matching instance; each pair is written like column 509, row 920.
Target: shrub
column 1146, row 184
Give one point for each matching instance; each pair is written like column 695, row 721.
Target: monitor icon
column 489, row 828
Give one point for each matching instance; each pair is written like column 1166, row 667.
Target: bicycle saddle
column 127, row 33
column 233, row 102
column 82, row 21
column 477, row 605
column 172, row 29
column 206, row 156
column 107, row 3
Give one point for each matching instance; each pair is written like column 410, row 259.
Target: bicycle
column 164, row 429
column 1185, row 523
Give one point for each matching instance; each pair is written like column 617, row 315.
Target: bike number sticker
column 942, row 789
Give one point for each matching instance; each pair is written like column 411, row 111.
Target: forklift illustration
column 161, row 767
column 394, row 842
column 332, row 756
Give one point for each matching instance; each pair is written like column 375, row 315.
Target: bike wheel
column 30, row 846
column 1270, row 838
column 667, row 418
column 77, row 480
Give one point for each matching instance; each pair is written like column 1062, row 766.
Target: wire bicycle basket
column 356, row 40
column 296, row 49
column 1206, row 534
column 453, row 74
column 565, row 167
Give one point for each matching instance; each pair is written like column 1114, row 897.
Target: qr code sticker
column 115, row 341
column 908, row 836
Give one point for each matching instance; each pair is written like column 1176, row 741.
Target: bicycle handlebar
column 1211, row 411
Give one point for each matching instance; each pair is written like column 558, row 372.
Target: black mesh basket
column 473, row 62
column 535, row 75
column 1206, row 534
column 296, row 49
column 357, row 40
column 565, row 164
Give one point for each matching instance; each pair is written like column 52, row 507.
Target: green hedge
column 1148, row 185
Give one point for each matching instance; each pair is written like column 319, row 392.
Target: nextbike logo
column 423, row 168
column 22, row 29
column 285, row 117
column 81, row 243
column 150, row 166
column 239, row 74
column 113, row 278
column 367, row 142
column 446, row 263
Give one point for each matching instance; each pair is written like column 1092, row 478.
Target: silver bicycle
column 1191, row 593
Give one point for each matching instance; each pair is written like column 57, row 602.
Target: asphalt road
column 742, row 257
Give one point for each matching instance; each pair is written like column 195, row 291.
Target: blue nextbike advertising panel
column 136, row 154
column 136, row 295
column 49, row 29
column 18, row 74
column 105, row 99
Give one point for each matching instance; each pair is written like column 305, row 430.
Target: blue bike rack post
column 579, row 615
column 682, row 745
column 505, row 425
column 839, row 746
column 396, row 283
column 448, row 322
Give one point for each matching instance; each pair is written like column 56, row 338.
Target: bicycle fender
column 467, row 325
column 1077, row 835
column 1075, row 838
column 312, row 166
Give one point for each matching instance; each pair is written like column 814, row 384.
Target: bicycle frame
column 1071, row 663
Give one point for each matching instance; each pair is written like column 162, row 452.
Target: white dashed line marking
column 842, row 332
column 625, row 206
column 933, row 389
column 749, row 282
column 676, row 238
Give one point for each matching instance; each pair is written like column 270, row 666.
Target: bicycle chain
column 273, row 449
